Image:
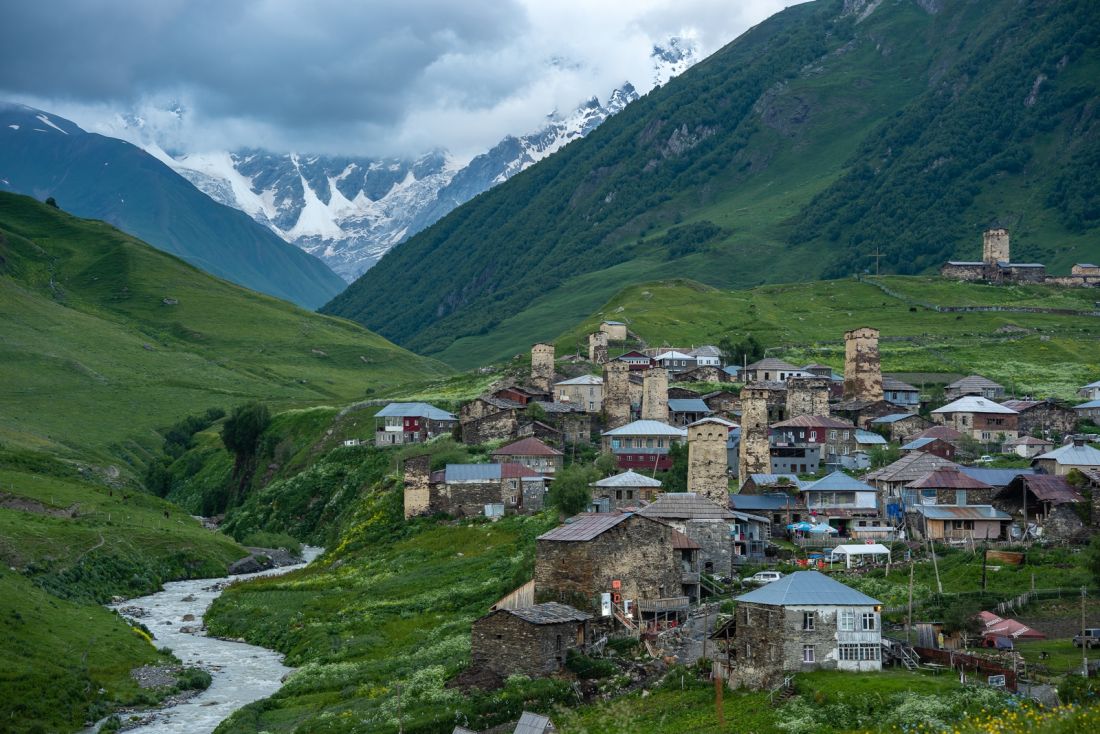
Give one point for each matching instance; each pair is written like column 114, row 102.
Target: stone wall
column 708, row 465
column 807, row 396
column 507, row 645
column 615, row 332
column 542, row 366
column 862, row 369
column 417, row 488
column 655, row 395
column 963, row 272
column 597, row 347
column 758, row 649
column 716, row 545
column 1047, row 416
column 498, row 426
column 754, row 453
column 638, row 552
column 973, row 496
column 466, row 499
column 616, row 394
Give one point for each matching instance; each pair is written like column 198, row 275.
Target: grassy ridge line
column 93, row 358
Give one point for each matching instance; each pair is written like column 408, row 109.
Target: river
column 240, row 673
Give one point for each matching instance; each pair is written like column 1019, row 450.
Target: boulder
column 250, row 564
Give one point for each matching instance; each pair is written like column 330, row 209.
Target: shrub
column 193, row 679
column 589, row 668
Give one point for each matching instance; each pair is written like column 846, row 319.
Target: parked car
column 1091, row 638
column 762, row 577
column 984, row 459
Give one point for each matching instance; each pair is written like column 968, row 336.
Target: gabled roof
column 810, row 588
column 414, row 410
column 947, row 433
column 974, row 404
column 1046, row 488
column 613, row 323
column 1089, row 404
column 673, row 355
column 1021, row 405
column 518, row 471
column 814, row 421
column 1028, row 441
column 763, row 502
column 688, row 405
column 1091, row 384
column 1072, row 455
column 974, row 382
column 582, row 380
column 894, row 417
column 707, row 350
column 472, row 472
column 894, row 385
column 919, row 443
column 585, row 526
column 713, row 419
column 647, row 428
column 530, row 723
column 960, row 512
column 550, row 612
column 768, row 480
column 634, row 354
column 771, row 363
column 994, row 477
column 908, row 468
column 869, row 437
column 948, row 477
column 838, row 481
column 527, row 447
column 628, row 479
column 685, row 506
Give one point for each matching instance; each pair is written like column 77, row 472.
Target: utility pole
column 909, row 618
column 878, row 258
column 985, row 550
column 1084, row 642
column 935, row 566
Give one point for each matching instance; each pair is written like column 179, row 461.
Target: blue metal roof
column 688, row 405
column 414, row 410
column 869, row 437
column 810, row 588
column 472, row 472
column 893, row 417
column 917, row 443
column 838, row 481
column 750, row 502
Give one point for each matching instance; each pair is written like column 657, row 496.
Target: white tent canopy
column 854, row 551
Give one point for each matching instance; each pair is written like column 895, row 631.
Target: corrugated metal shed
column 810, row 588
column 1047, row 488
column 868, row 438
column 894, row 418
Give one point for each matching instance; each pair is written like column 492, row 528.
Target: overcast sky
column 365, row 77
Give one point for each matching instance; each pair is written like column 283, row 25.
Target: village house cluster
column 773, row 450
column 996, row 266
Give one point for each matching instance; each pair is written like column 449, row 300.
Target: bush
column 588, row 668
column 193, row 679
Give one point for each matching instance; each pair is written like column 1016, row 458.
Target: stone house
column 707, row 355
column 1048, row 502
column 836, row 437
column 533, row 454
column 628, row 489
column 704, row 374
column 900, row 394
column 935, row 446
column 945, row 433
column 975, row 385
column 585, row 392
column 643, row 445
column 843, row 502
column 892, row 479
column 861, row 411
column 780, row 509
column 468, row 490
column 722, row 403
column 635, row 360
column 900, row 427
column 624, row 554
column 802, row 622
column 615, row 330
column 683, row 411
column 489, row 418
column 759, row 483
column 1088, row 411
column 770, row 369
column 402, row 423
column 532, row 641
column 1090, row 391
column 947, row 485
column 1074, row 455
column 1027, row 447
column 1043, row 417
column 705, row 522
column 981, row 418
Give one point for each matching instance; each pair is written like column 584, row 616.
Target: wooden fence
column 972, row 664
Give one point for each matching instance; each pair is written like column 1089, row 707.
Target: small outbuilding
column 532, row 641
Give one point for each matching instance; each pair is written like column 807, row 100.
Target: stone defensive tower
column 417, row 487
column 995, row 246
column 597, row 347
column 708, row 474
column 655, row 395
column 755, row 455
column 542, row 366
column 807, row 396
column 616, row 394
column 862, row 369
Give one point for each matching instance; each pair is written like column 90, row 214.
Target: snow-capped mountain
column 350, row 211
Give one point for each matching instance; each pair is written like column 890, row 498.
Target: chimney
column 1079, row 441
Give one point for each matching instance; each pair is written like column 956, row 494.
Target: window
column 618, row 494
column 867, row 622
column 630, row 494
column 807, row 653
column 808, row 621
column 858, row 651
column 832, row 435
column 847, row 620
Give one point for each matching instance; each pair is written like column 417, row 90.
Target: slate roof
column 974, row 404
column 550, row 612
column 685, row 506
column 918, row 443
column 814, row 421
column 414, row 410
column 688, row 405
column 647, row 428
column 993, row 477
column 948, row 477
column 628, row 479
column 771, row 363
column 894, row 417
column 1047, row 488
column 908, row 468
column 530, row 723
column 527, row 447
column 809, row 588
column 960, row 512
column 582, row 380
column 707, row 350
column 766, row 385
column 560, row 408
column 895, row 385
column 838, row 481
column 1028, row 441
column 974, row 382
column 1073, row 455
column 585, row 526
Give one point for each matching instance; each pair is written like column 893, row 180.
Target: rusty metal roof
column 683, row 542
column 1047, row 488
column 947, row 477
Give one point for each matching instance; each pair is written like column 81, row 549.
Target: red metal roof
column 943, row 432
column 947, row 477
column 1048, row 488
column 683, row 542
column 527, row 447
column 517, row 471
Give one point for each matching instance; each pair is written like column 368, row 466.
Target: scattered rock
column 189, row 618
column 250, row 564
column 189, row 597
column 155, row 676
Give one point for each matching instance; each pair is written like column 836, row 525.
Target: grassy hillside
column 1042, row 353
column 104, row 178
column 801, row 149
column 105, row 339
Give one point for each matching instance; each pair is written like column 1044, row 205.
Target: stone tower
column 755, row 455
column 995, row 246
column 655, row 395
column 597, row 347
column 862, row 370
column 807, row 396
column 708, row 474
column 616, row 394
column 542, row 366
column 417, row 487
